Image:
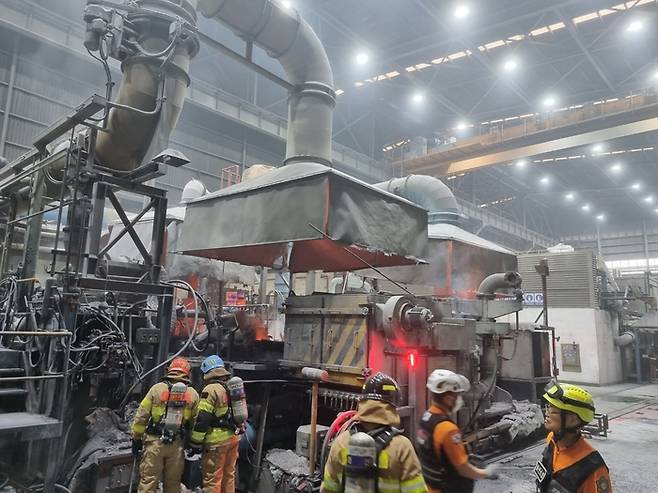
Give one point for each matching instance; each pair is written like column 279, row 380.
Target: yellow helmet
column 571, row 398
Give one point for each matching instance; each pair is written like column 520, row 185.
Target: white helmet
column 441, row 381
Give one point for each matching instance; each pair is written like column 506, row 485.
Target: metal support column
column 10, row 96
column 254, row 89
column 311, row 281
column 166, row 302
column 32, row 233
column 262, row 285
column 598, row 240
column 647, row 271
column 638, row 357
column 95, row 228
column 9, row 235
column 243, row 159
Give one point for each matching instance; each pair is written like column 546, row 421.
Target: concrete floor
column 630, row 450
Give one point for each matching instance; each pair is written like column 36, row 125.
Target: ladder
column 18, row 423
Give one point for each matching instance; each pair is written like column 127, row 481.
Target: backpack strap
column 382, row 435
column 575, row 475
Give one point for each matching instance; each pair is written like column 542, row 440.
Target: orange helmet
column 180, row 365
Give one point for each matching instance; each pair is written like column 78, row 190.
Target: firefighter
column 373, row 455
column 215, row 433
column 439, row 442
column 569, row 463
column 161, row 426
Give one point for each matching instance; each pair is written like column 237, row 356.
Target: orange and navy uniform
column 447, row 439
column 597, row 482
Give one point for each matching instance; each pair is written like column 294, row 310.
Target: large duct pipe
column 428, row 192
column 496, row 282
column 624, row 339
column 284, row 35
column 155, row 78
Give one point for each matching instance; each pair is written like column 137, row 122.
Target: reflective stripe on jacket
column 154, row 405
column 213, row 406
column 399, row 467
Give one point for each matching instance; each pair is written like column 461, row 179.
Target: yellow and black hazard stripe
column 348, row 349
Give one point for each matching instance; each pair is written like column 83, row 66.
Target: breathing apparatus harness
column 171, row 426
column 363, row 459
column 232, row 419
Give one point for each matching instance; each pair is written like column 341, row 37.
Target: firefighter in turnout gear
column 439, row 443
column 569, row 464
column 217, row 428
column 373, row 456
column 161, row 427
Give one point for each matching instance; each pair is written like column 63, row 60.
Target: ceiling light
column 656, row 211
column 634, row 26
column 362, row 58
column 286, row 4
column 649, row 199
column 597, row 148
column 655, row 75
column 549, row 102
column 616, row 168
column 545, row 180
column 570, row 196
column 585, row 208
column 418, row 97
column 510, row 65
column 521, row 163
column 462, row 11
column 600, row 217
column 636, row 186
column 462, row 125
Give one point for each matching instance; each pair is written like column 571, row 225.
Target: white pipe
column 284, row 35
column 428, row 192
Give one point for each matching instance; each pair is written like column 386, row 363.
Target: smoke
column 182, row 266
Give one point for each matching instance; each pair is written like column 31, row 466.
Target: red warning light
column 412, row 360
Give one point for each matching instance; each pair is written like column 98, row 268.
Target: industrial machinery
column 79, row 344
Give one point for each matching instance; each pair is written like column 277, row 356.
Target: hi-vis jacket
column 154, row 405
column 212, row 426
column 399, row 468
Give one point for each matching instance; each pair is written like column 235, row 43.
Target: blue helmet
column 211, row 362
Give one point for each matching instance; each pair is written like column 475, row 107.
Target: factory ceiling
column 451, row 68
column 499, row 60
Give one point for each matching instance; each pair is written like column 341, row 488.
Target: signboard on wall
column 533, row 299
column 571, row 357
column 235, row 298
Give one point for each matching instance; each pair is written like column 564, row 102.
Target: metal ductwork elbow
column 496, row 282
column 285, row 36
column 155, row 41
column 428, row 192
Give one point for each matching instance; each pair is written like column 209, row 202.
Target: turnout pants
column 218, row 467
column 160, row 459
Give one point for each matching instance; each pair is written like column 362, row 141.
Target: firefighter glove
column 138, row 445
column 492, row 471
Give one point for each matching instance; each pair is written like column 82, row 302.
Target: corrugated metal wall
column 41, row 95
column 571, row 282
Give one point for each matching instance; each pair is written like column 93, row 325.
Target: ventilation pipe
column 624, row 339
column 284, row 35
column 155, row 41
column 495, row 282
column 428, row 192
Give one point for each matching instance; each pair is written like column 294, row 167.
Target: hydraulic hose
column 141, row 377
column 343, row 420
